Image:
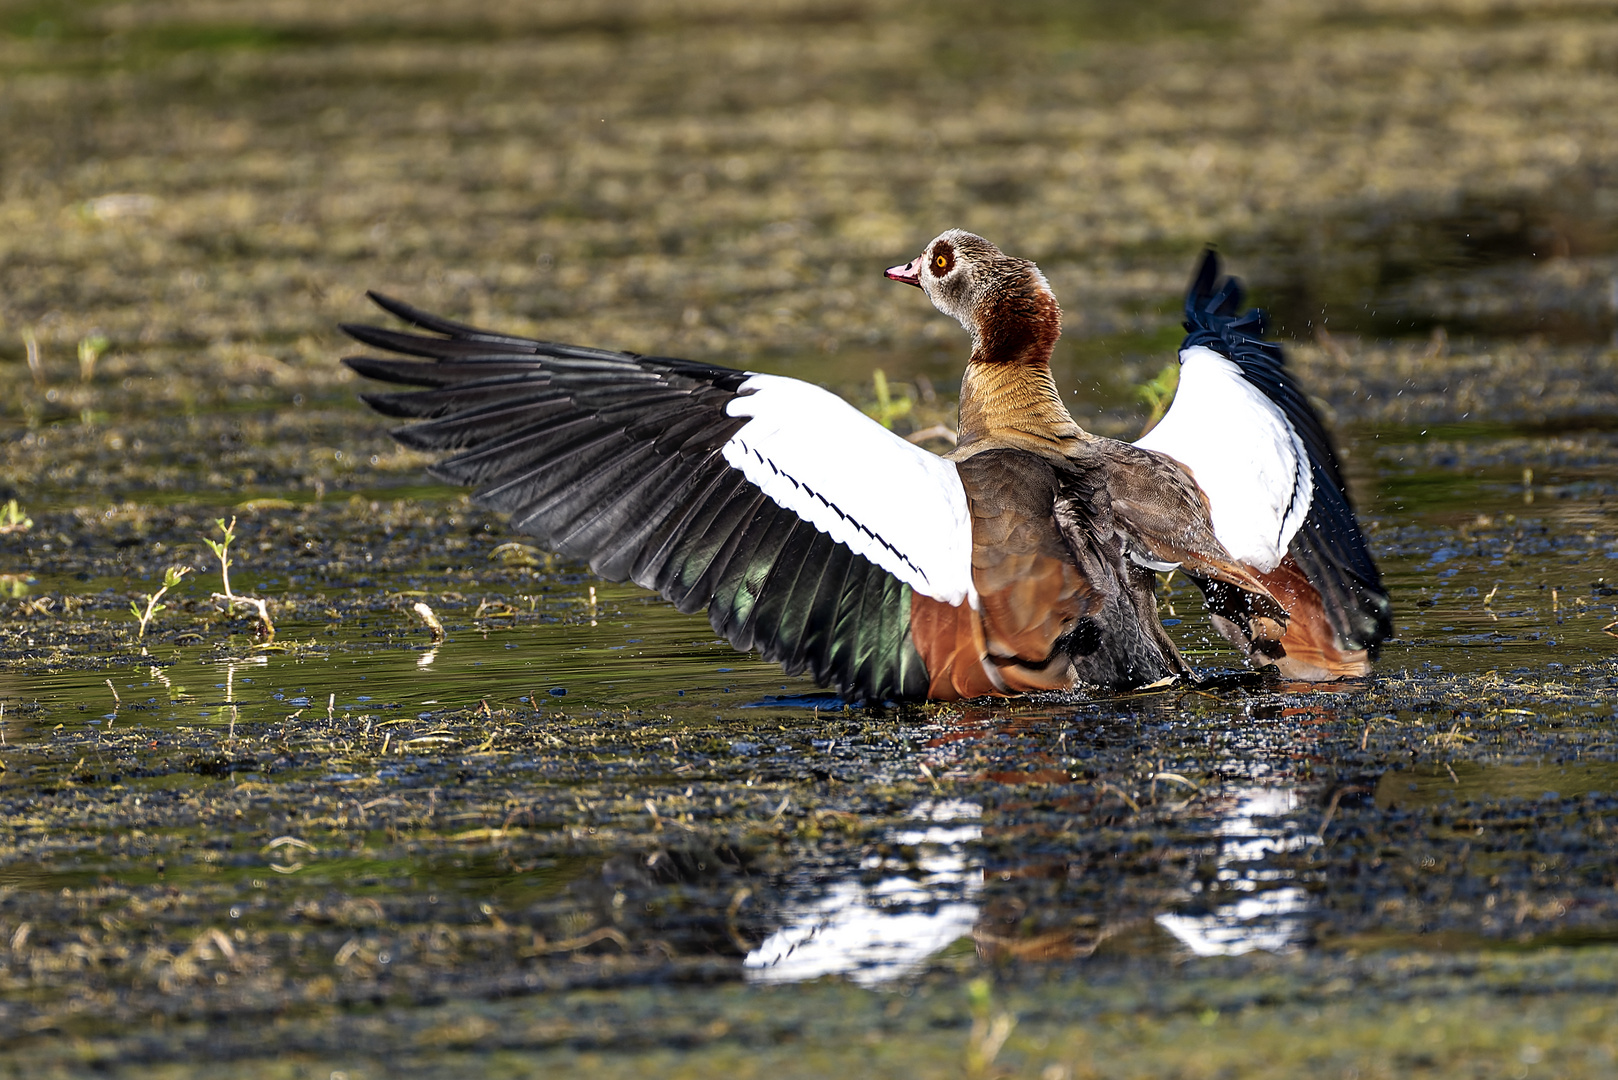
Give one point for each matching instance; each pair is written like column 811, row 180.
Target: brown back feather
column 1057, row 602
column 1155, row 500
column 1030, row 590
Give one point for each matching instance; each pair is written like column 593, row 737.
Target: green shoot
column 888, row 408
column 1158, row 392
column 171, row 578
column 990, row 1028
column 221, row 549
column 36, row 366
column 90, row 350
column 13, row 520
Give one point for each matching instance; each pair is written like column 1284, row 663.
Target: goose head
column 1005, row 303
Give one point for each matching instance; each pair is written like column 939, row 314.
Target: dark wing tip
column 361, row 333
column 425, row 320
column 459, row 331
column 1214, row 305
column 1202, row 284
column 397, row 341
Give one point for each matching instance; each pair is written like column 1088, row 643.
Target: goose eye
column 943, row 259
column 941, row 262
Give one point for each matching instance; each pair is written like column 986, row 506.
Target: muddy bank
column 579, row 832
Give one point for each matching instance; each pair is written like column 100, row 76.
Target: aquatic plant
column 171, row 577
column 990, row 1028
column 90, row 350
column 1158, row 392
column 13, row 520
column 888, row 407
column 36, row 366
column 221, row 549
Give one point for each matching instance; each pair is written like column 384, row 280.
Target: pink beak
column 909, row 273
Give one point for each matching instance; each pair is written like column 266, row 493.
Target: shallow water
column 581, row 788
column 579, row 782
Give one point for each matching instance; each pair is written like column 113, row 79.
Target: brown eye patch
column 943, row 259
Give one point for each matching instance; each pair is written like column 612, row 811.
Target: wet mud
column 580, row 833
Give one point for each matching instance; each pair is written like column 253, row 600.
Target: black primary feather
column 1330, row 548
column 616, row 458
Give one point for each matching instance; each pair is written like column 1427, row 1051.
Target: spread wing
column 1244, row 428
column 800, row 524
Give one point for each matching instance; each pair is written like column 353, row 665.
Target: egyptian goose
column 1258, row 450
column 1024, row 561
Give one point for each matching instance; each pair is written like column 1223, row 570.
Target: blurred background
column 194, row 193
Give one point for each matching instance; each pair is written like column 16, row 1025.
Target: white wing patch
column 889, row 500
column 1242, row 452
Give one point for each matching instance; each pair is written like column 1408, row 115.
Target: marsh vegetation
column 578, row 832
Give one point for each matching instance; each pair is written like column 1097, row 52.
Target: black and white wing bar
column 801, row 525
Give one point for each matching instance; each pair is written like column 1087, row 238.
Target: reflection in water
column 1270, row 916
column 872, row 933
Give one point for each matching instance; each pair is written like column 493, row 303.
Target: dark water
column 580, row 790
column 582, row 835
column 577, row 759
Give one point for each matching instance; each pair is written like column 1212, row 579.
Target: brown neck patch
column 1020, row 320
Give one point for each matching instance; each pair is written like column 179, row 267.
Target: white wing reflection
column 1273, row 917
column 873, row 933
